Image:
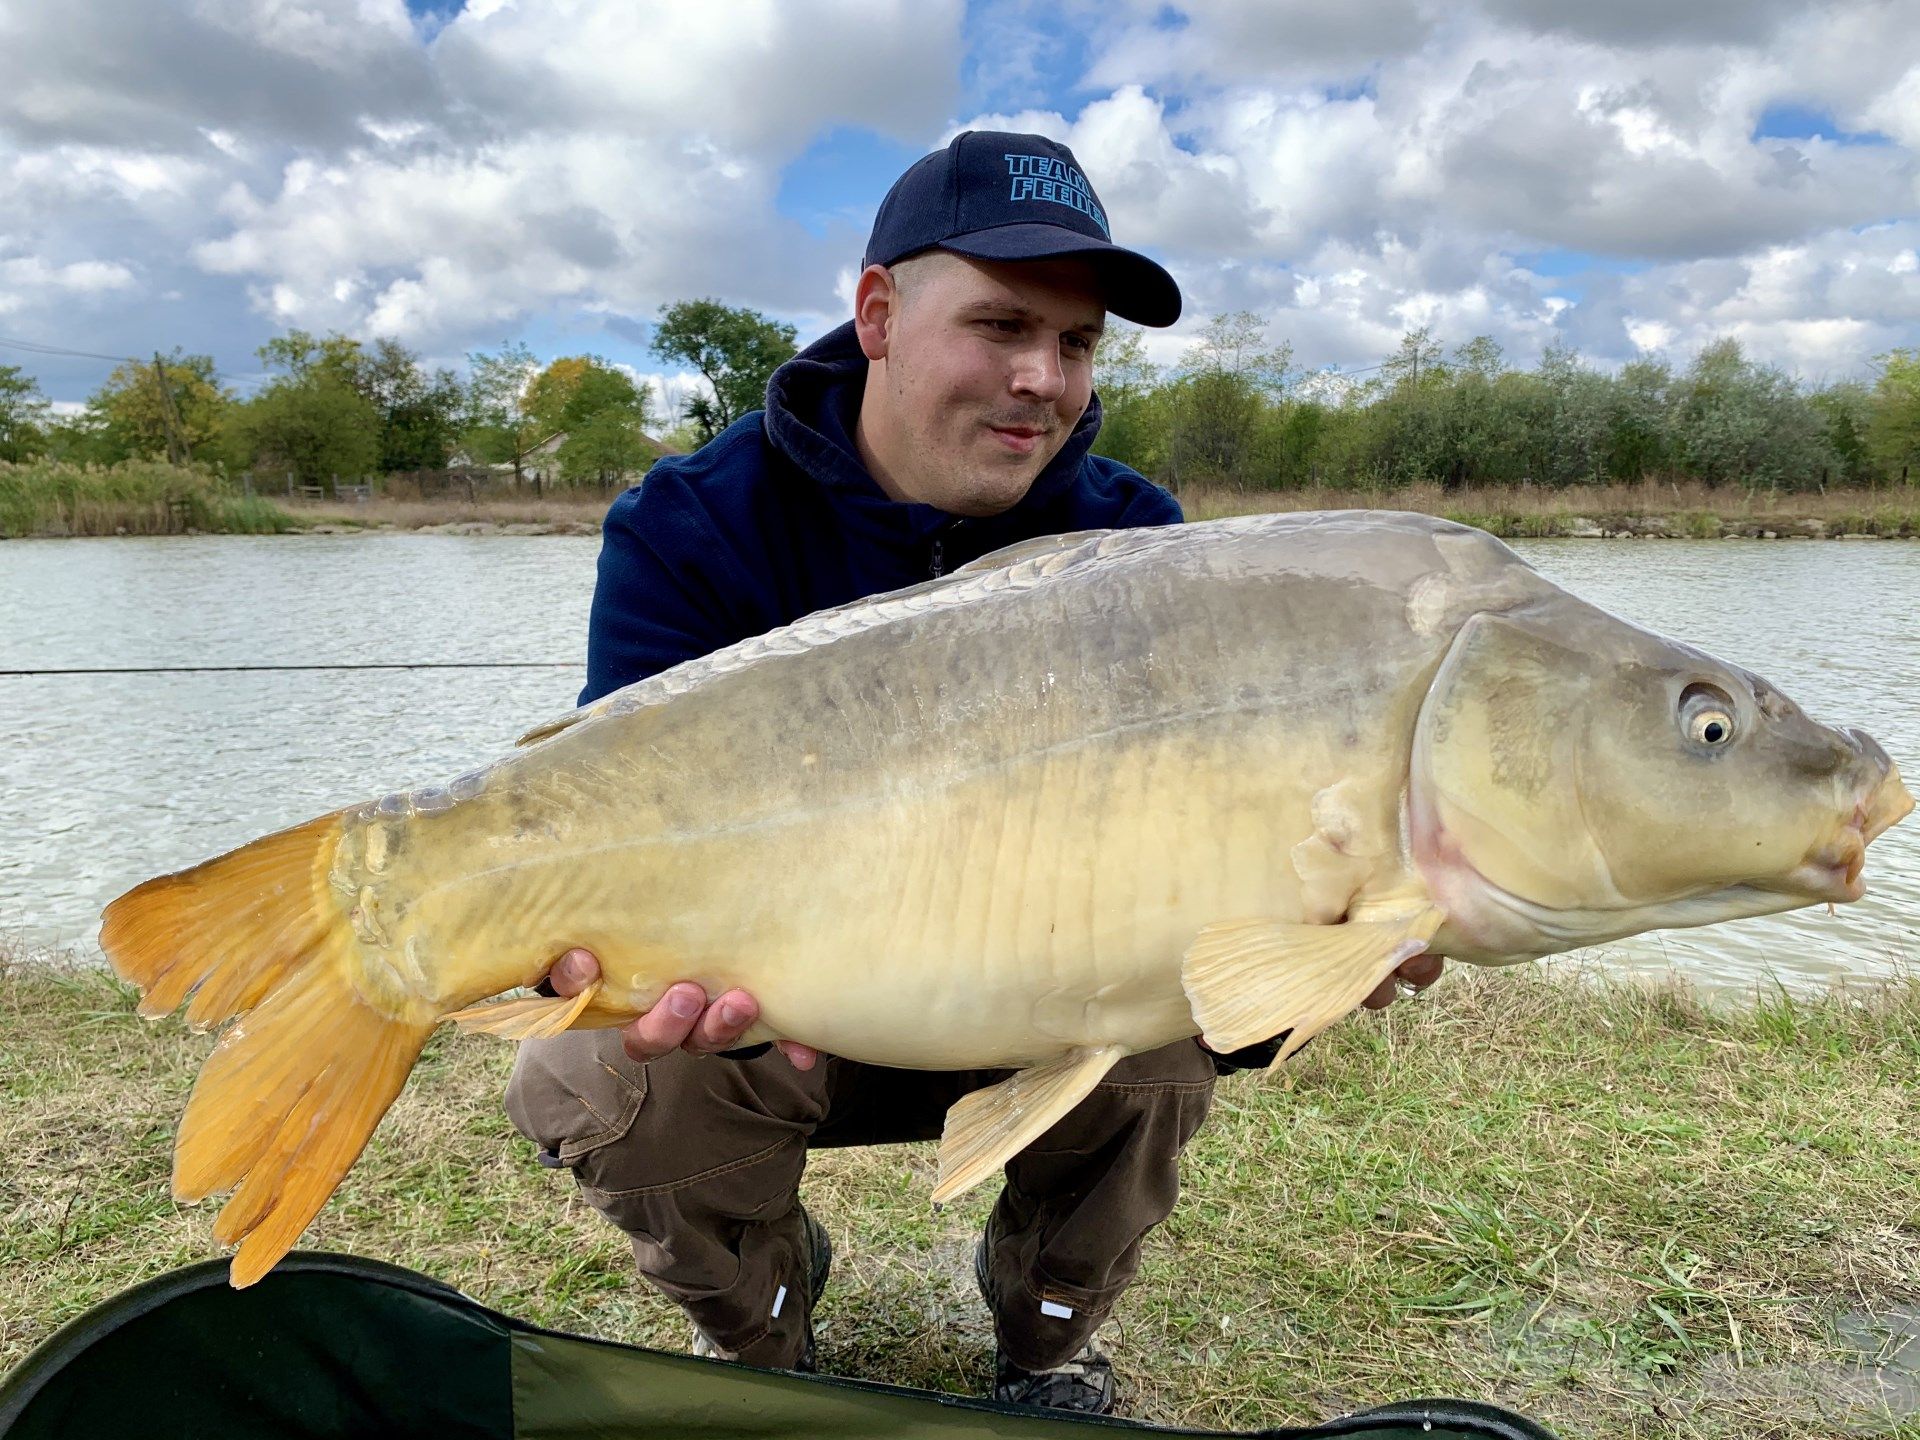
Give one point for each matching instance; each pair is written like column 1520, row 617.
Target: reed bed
column 136, row 497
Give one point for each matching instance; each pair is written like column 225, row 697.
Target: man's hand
column 683, row 1019
column 1419, row 972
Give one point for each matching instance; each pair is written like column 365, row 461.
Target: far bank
column 150, row 498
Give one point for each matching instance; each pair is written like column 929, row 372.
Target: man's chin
column 994, row 491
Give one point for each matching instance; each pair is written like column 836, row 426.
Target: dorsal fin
column 1016, row 567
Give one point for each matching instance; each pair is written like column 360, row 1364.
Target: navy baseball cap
column 995, row 195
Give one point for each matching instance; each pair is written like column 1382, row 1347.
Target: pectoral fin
column 1248, row 980
column 535, row 1018
column 987, row 1128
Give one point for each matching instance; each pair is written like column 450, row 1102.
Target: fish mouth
column 1832, row 869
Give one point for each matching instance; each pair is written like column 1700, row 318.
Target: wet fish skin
column 1073, row 802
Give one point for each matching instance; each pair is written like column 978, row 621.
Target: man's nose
column 1038, row 372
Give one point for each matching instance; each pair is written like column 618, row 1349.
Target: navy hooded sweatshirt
column 776, row 517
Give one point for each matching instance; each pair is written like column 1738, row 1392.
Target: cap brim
column 1135, row 287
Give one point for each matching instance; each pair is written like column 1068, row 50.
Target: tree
column 1733, row 421
column 304, row 356
column 418, row 416
column 79, row 439
column 23, row 414
column 1132, row 425
column 1893, row 430
column 1846, row 409
column 602, row 413
column 1638, row 431
column 607, row 447
column 736, row 350
column 1419, row 354
column 315, row 426
column 575, row 388
column 139, row 419
column 315, row 421
column 499, row 425
column 1229, row 379
column 1410, row 429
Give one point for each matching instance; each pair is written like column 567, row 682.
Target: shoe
column 1083, row 1384
column 820, row 1254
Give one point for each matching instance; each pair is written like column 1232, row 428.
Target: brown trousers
column 698, row 1160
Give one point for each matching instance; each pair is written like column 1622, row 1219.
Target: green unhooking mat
column 329, row 1347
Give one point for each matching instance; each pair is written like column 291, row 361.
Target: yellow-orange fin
column 292, row 1092
column 1250, row 980
column 989, row 1127
column 535, row 1018
column 235, row 927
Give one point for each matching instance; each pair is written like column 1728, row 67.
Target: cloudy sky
column 1629, row 176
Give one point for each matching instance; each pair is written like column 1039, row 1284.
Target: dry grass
column 1671, row 509
column 1688, row 510
column 564, row 513
column 1608, row 1207
column 1685, row 509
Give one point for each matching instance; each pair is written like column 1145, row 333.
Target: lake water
column 106, row 780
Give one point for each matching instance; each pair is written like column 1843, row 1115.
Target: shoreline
column 56, row 501
column 1510, row 515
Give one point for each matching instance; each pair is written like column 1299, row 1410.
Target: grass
column 1684, row 510
column 1609, row 1207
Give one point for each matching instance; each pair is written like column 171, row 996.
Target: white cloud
column 629, row 156
column 1481, row 135
column 81, row 277
column 1345, row 171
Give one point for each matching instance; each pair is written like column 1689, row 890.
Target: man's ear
column 875, row 299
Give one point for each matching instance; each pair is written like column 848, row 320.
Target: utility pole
column 177, row 451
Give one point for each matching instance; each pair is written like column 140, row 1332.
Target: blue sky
column 1627, row 182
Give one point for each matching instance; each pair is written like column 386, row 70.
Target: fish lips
column 1832, row 869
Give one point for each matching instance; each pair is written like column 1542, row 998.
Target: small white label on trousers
column 779, row 1299
column 1047, row 1307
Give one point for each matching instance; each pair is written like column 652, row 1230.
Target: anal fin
column 1249, row 980
column 989, row 1127
column 535, row 1018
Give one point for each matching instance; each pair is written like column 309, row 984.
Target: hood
column 813, row 402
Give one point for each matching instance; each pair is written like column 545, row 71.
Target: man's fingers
column 803, row 1057
column 667, row 1025
column 1382, row 996
column 573, row 972
column 1422, row 970
column 1417, row 973
column 724, row 1022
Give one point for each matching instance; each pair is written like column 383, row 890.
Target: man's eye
column 1005, row 327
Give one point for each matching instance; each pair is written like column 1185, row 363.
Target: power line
column 228, row 669
column 33, row 348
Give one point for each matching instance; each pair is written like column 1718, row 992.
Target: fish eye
column 1706, row 714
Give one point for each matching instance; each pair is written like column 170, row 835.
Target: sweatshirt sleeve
column 655, row 604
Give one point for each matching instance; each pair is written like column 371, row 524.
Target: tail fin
column 291, row 1094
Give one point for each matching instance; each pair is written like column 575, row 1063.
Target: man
column 951, row 417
